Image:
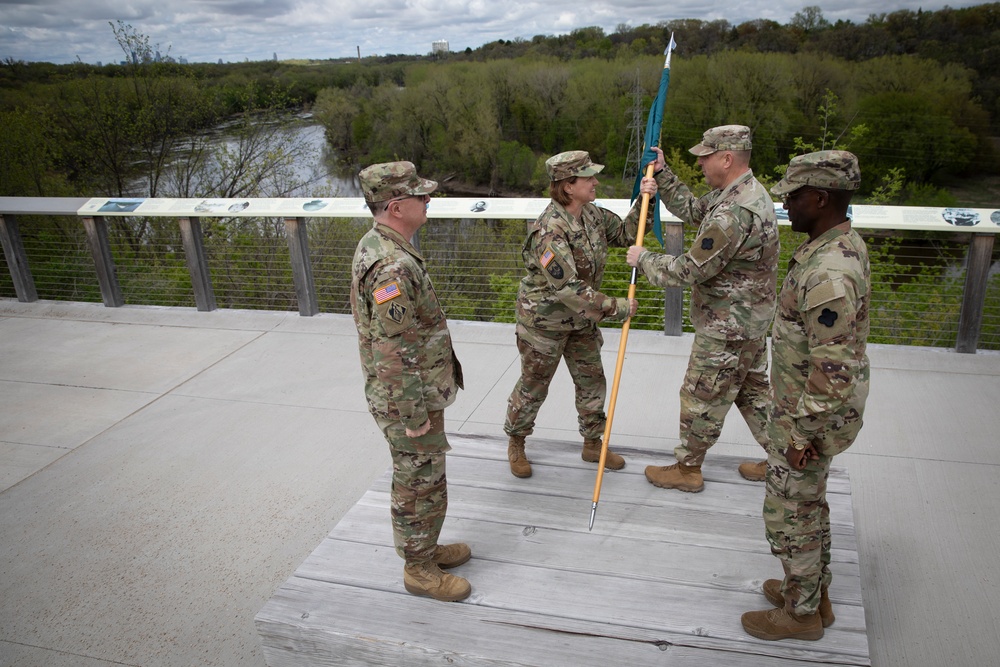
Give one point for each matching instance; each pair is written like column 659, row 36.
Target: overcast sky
column 60, row 31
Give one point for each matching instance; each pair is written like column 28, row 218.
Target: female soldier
column 559, row 305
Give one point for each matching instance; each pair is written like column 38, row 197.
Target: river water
column 325, row 173
column 315, row 172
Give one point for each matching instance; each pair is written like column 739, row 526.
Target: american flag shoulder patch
column 547, row 257
column 386, row 293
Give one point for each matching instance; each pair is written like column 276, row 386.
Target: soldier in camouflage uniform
column 732, row 270
column 559, row 305
column 819, row 384
column 411, row 373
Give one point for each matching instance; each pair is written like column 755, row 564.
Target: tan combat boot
column 428, row 579
column 774, row 624
column 678, row 476
column 755, row 471
column 772, row 591
column 520, row 466
column 592, row 454
column 451, row 555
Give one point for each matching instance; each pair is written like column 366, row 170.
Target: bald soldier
column 731, row 268
column 819, row 386
column 411, row 373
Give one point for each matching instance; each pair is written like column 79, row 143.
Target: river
column 315, row 171
column 324, row 172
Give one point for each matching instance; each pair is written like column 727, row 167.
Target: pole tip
column 593, row 513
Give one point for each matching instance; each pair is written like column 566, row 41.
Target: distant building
column 440, row 46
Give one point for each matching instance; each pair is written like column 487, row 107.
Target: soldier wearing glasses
column 411, row 373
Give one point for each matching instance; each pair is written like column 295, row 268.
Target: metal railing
column 935, row 277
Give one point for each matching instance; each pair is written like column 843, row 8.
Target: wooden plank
column 297, row 233
column 673, row 297
column 197, row 263
column 17, row 259
column 700, row 616
column 710, row 530
column 309, row 626
column 104, row 262
column 717, row 468
column 641, row 558
column 626, row 492
column 977, row 271
column 660, row 570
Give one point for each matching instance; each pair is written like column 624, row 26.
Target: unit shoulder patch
column 710, row 244
column 553, row 265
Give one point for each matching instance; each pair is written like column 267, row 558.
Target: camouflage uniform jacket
column 407, row 358
column 565, row 258
column 819, row 373
column 732, row 265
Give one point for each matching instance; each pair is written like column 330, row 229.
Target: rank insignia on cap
column 386, row 293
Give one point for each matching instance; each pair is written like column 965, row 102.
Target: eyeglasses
column 424, row 198
column 794, row 194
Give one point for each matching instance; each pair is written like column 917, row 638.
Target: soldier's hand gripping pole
column 640, row 233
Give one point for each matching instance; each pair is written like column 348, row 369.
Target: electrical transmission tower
column 637, row 128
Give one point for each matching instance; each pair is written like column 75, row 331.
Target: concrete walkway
column 163, row 471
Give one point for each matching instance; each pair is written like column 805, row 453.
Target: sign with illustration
column 917, row 218
column 509, row 208
column 350, row 207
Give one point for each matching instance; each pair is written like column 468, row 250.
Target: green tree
column 29, row 152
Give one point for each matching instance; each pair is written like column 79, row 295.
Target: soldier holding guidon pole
column 559, row 306
column 731, row 268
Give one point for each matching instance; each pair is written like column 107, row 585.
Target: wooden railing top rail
column 903, row 218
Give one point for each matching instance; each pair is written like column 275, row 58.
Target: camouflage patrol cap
column 723, row 138
column 828, row 170
column 388, row 180
column 571, row 163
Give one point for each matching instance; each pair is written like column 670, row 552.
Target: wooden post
column 970, row 319
column 104, row 263
column 297, row 233
column 194, row 255
column 673, row 297
column 17, row 259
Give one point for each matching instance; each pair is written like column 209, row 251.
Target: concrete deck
column 164, row 471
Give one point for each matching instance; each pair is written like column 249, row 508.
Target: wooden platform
column 661, row 580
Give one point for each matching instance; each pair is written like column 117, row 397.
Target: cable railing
column 935, row 272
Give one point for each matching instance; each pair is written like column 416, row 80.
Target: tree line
column 479, row 120
column 493, row 123
column 914, row 94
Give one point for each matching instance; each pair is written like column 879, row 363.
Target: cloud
column 59, row 31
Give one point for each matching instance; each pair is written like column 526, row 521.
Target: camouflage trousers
column 419, row 495
column 720, row 373
column 797, row 516
column 540, row 354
